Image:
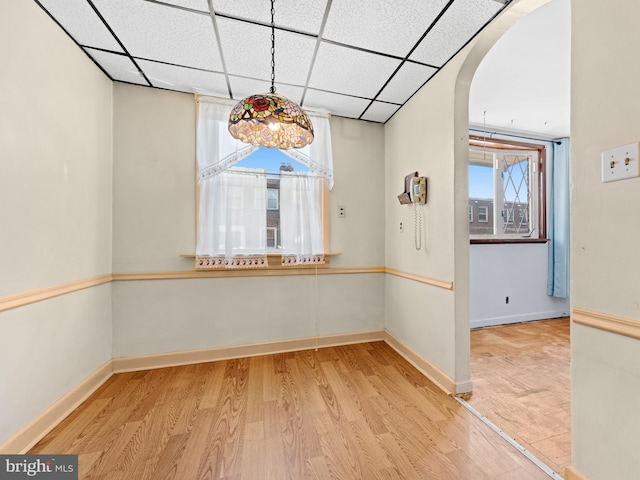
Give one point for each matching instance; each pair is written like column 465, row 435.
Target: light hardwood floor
column 521, row 382
column 351, row 412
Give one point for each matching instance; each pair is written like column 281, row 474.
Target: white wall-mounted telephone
column 415, row 191
column 418, row 190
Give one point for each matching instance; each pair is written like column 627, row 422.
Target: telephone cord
column 417, row 221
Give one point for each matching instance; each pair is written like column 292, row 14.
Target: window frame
column 538, row 191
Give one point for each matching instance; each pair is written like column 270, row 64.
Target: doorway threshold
column 536, row 461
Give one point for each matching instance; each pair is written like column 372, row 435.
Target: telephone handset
column 415, row 191
column 418, row 190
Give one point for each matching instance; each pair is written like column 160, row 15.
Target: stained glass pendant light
column 271, row 120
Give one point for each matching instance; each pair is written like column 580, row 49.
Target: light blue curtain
column 559, row 221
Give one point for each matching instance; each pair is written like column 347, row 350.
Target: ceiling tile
column 392, row 27
column 405, row 82
column 380, row 112
column 201, row 5
column 119, row 67
column 184, row 79
column 247, row 52
column 459, row 24
column 300, row 15
column 162, row 33
column 243, row 87
column 342, row 105
column 352, row 72
column 82, row 23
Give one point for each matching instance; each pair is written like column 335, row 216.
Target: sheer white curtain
column 300, row 197
column 216, row 149
column 231, row 204
column 300, row 219
column 232, row 223
column 318, row 156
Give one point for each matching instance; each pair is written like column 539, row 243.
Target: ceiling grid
column 360, row 59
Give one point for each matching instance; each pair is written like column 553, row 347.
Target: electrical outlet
column 401, row 227
column 341, row 211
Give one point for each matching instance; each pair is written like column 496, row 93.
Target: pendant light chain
column 273, row 48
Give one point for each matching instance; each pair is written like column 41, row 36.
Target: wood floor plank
column 522, row 382
column 351, row 412
column 289, row 414
column 254, row 447
column 195, row 445
column 339, row 448
column 311, row 377
column 78, row 426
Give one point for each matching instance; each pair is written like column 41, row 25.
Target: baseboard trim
column 32, row 296
column 464, row 387
column 607, row 322
column 189, row 357
column 429, row 370
column 35, row 430
column 571, row 473
column 507, row 320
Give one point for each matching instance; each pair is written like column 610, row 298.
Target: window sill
column 490, row 241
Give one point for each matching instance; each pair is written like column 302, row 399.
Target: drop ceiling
column 360, row 59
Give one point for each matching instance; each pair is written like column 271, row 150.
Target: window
column 508, row 214
column 505, row 181
column 483, row 214
column 255, row 203
column 272, row 198
column 470, row 213
column 272, row 237
column 275, row 163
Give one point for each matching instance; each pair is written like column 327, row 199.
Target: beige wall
column 55, row 140
column 605, row 228
column 177, row 315
column 153, row 179
column 358, row 157
column 55, row 211
column 154, row 222
column 420, row 137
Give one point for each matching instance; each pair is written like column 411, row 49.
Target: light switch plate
column 621, row 163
